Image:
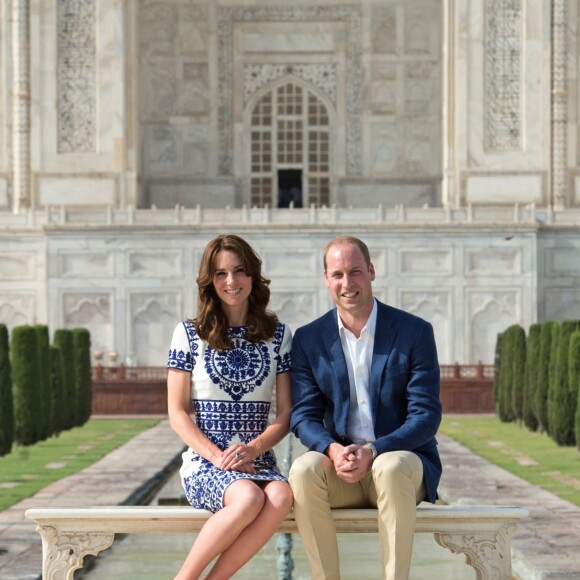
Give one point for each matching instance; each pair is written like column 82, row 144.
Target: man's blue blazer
column 404, row 387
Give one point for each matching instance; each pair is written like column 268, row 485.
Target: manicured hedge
column 518, row 362
column 561, row 401
column 25, row 385
column 43, row 385
column 529, row 413
column 547, row 331
column 83, row 377
column 63, row 340
column 574, row 381
column 57, row 389
column 6, row 403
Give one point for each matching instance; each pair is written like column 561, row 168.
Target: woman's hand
column 238, row 457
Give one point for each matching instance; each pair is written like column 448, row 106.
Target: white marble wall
column 497, row 102
column 130, row 285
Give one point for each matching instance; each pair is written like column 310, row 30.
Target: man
column 365, row 402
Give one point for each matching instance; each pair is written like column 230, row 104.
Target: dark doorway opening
column 289, row 187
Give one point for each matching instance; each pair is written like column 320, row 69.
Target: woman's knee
column 246, row 497
column 280, row 496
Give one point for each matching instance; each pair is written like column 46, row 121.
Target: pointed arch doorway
column 289, row 147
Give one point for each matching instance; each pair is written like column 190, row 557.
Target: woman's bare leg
column 277, row 505
column 243, row 502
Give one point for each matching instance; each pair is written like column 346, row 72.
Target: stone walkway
column 545, row 547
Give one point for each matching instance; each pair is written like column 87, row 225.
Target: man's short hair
column 348, row 240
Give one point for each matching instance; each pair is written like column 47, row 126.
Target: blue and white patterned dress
column 231, row 393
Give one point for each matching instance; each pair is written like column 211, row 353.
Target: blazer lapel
column 331, row 339
column 385, row 333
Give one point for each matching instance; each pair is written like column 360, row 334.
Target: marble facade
column 125, row 136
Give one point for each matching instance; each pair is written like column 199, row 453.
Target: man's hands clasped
column 352, row 462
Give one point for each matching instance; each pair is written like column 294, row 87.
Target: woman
column 229, row 360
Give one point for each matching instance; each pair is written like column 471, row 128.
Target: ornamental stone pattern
column 76, row 75
column 503, row 55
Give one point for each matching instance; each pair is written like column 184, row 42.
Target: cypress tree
column 83, row 378
column 561, row 410
column 43, row 385
column 547, row 331
column 574, row 378
column 531, row 377
column 57, row 390
column 496, row 392
column 25, row 387
column 63, row 340
column 6, row 403
column 506, row 370
column 518, row 362
column 554, row 349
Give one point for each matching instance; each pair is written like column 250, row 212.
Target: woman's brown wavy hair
column 211, row 323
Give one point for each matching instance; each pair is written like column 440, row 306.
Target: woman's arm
column 178, row 404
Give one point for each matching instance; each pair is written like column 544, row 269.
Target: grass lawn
column 532, row 456
column 28, row 469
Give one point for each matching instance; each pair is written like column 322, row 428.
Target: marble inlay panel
column 419, row 262
column 76, row 76
column 503, row 75
column 493, row 262
column 17, row 266
column 154, row 264
column 301, row 264
column 85, row 265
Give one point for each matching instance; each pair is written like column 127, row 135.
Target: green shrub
column 25, row 385
column 574, row 379
column 43, row 381
column 531, row 377
column 505, row 411
column 63, row 340
column 57, row 399
column 6, row 403
column 547, row 330
column 518, row 361
column 83, row 378
column 496, row 392
column 560, row 401
column 554, row 349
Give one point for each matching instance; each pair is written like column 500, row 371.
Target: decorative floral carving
column 76, row 78
column 488, row 554
column 503, row 49
column 64, row 553
column 322, row 76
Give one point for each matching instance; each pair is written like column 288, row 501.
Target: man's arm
column 308, row 402
column 424, row 405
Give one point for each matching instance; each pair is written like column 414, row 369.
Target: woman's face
column 232, row 285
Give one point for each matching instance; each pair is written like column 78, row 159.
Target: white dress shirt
column 358, row 353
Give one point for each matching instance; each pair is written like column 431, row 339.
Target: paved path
column 129, row 475
column 545, row 547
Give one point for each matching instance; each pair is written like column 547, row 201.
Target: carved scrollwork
column 489, row 554
column 64, row 553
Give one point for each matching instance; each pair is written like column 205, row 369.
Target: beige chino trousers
column 394, row 486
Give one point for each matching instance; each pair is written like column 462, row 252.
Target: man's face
column 349, row 279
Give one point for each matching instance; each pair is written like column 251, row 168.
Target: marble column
column 559, row 104
column 21, row 105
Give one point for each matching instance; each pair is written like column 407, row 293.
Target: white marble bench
column 482, row 533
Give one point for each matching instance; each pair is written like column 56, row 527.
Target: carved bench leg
column 488, row 553
column 63, row 553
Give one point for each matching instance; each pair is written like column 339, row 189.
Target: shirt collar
column 370, row 325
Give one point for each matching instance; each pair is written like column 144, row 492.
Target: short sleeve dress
column 231, row 393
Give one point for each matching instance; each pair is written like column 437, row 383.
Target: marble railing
column 380, row 216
